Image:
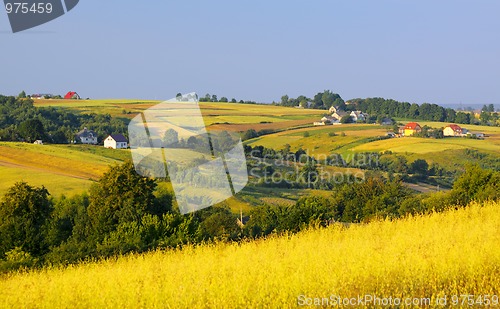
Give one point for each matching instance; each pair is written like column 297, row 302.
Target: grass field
column 357, row 139
column 62, row 169
column 214, row 113
column 425, row 257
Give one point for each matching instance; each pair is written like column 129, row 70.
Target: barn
column 72, row 96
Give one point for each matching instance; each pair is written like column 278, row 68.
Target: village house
column 72, row 96
column 453, row 130
column 339, row 114
column 412, row 128
column 116, row 141
column 86, row 136
column 358, row 116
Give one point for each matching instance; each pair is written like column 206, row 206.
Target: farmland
column 451, row 253
column 359, row 138
column 60, row 168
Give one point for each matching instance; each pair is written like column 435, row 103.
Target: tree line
column 20, row 120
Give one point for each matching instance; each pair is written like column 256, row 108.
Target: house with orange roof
column 412, row 128
column 453, row 130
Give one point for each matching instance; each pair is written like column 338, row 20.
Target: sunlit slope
column 60, row 168
column 451, row 253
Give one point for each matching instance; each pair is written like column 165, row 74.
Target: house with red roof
column 412, row 128
column 72, row 96
column 453, row 130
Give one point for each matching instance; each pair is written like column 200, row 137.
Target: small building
column 479, row 135
column 116, row 141
column 412, row 128
column 72, row 96
column 339, row 114
column 38, row 142
column 86, row 136
column 453, row 130
column 358, row 116
column 387, row 122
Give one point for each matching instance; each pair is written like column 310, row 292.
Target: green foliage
column 24, row 212
column 170, row 138
column 20, row 120
column 120, row 196
column 31, row 130
column 346, row 119
column 476, row 184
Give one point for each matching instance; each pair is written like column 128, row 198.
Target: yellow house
column 412, row 128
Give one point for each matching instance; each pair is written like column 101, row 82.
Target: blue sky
column 443, row 52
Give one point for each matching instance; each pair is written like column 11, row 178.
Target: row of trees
column 322, row 100
column 425, row 111
column 213, row 98
column 20, row 120
column 125, row 212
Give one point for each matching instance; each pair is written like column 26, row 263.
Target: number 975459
column 26, row 8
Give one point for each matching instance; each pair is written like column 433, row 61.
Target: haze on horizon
column 444, row 52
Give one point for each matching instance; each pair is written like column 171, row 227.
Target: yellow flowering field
column 432, row 261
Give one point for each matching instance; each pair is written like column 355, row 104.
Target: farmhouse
column 358, row 116
column 339, row 114
column 412, row 128
column 453, row 130
column 72, row 96
column 86, row 136
column 116, row 141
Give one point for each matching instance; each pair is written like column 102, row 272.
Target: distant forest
column 20, row 120
column 392, row 108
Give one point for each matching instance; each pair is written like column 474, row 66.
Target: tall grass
column 451, row 253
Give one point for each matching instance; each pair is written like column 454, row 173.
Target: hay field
column 419, row 258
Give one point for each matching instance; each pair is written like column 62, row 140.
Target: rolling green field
column 358, row 138
column 62, row 169
column 214, row 113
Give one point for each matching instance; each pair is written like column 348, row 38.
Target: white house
column 38, row 142
column 358, row 116
column 86, row 136
column 453, row 130
column 116, row 141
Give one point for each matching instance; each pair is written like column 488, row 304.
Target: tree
column 249, row 134
column 214, row 98
column 463, row 118
column 178, row 96
column 24, row 212
column 224, row 99
column 346, row 119
column 233, row 100
column 22, row 95
column 309, row 173
column 420, row 167
column 284, row 100
column 170, row 138
column 476, row 184
column 31, row 130
column 120, row 196
column 491, row 108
